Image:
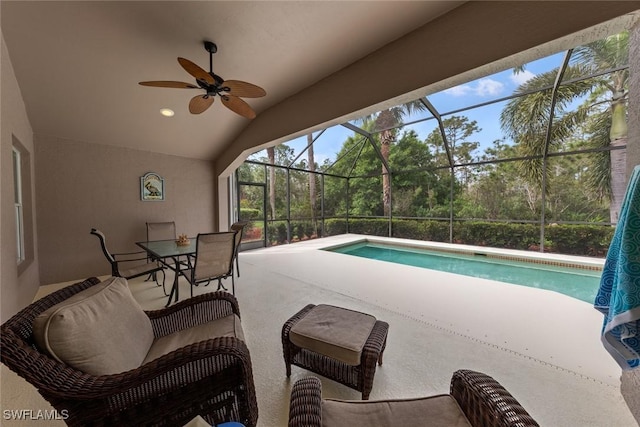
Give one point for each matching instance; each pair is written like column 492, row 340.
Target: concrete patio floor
column 544, row 347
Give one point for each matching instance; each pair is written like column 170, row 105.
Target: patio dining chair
column 160, row 231
column 118, row 261
column 238, row 227
column 213, row 260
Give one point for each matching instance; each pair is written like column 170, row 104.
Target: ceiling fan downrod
column 212, row 48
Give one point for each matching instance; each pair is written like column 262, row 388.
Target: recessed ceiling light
column 167, row 112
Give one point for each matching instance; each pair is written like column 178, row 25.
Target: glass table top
column 168, row 248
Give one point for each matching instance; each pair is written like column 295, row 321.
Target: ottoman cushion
column 335, row 332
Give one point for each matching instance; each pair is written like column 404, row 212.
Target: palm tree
column 609, row 53
column 387, row 122
column 525, row 119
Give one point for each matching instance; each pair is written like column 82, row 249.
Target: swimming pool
column 579, row 283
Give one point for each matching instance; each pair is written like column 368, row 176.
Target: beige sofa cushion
column 101, row 330
column 435, row 411
column 333, row 331
column 228, row 326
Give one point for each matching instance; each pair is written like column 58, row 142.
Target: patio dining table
column 165, row 250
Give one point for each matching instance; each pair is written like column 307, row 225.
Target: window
column 17, row 201
column 23, row 206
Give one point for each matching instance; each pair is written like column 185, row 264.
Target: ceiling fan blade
column 244, row 89
column 200, row 103
column 166, row 83
column 238, row 106
column 196, row 71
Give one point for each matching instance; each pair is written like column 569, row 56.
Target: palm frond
column 530, row 113
column 599, row 172
column 610, row 52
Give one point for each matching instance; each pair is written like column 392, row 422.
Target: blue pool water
column 578, row 283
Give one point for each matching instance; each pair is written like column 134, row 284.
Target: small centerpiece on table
column 183, row 240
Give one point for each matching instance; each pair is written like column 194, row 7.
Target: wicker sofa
column 186, row 375
column 475, row 400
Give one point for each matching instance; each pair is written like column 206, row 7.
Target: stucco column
column 630, row 387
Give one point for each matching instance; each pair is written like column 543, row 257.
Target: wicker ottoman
column 337, row 343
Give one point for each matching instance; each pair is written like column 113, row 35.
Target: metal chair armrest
column 128, row 254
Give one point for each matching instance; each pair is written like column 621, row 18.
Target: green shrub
column 249, row 213
column 584, row 240
column 334, row 226
column 580, row 239
column 277, row 233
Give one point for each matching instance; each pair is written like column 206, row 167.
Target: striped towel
column 619, row 294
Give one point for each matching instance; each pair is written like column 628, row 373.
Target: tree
column 604, row 97
column 312, row 180
column 612, row 89
column 415, row 183
column 458, row 130
column 278, row 155
column 358, row 161
column 272, row 181
column 386, row 122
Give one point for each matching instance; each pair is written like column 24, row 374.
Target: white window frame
column 17, row 200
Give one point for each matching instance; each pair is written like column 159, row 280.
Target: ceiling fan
column 229, row 91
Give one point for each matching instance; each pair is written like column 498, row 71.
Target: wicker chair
column 475, row 399
column 211, row 378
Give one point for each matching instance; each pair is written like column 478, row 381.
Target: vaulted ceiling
column 78, row 64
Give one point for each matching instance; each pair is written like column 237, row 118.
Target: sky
column 492, row 87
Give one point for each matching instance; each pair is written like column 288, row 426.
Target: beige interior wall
column 16, row 289
column 82, row 185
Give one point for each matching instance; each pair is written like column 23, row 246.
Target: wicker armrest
column 486, row 403
column 201, row 359
column 74, row 384
column 305, row 409
column 192, row 312
column 214, row 365
column 226, row 359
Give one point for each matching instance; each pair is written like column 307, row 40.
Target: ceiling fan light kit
column 229, row 91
